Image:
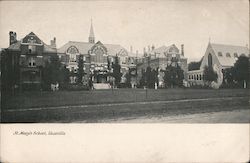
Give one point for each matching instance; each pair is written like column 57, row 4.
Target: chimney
column 182, row 49
column 53, row 43
column 12, row 36
column 153, row 47
column 131, row 49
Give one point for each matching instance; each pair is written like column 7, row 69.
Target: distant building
column 23, row 61
column 97, row 57
column 160, row 58
column 220, row 57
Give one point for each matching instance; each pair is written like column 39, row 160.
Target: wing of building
column 220, row 57
column 162, row 57
column 98, row 58
column 24, row 60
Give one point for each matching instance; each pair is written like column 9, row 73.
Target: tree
column 209, row 74
column 143, row 78
column 173, row 76
column 80, row 72
column 194, row 66
column 148, row 77
column 117, row 71
column 50, row 72
column 241, row 70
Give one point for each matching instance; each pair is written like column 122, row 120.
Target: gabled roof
column 17, row 45
column 163, row 49
column 84, row 47
column 114, row 49
column 231, row 49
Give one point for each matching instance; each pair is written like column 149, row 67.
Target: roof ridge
column 228, row 45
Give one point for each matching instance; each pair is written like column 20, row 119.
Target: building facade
column 219, row 57
column 160, row 58
column 24, row 60
column 97, row 59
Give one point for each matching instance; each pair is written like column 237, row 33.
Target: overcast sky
column 136, row 23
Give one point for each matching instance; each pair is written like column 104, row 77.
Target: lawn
column 62, row 98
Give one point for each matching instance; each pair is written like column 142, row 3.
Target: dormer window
column 228, row 55
column 235, row 55
column 219, row 54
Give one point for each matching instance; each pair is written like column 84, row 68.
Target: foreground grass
column 62, row 98
column 103, row 113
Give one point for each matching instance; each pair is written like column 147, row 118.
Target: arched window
column 210, row 62
column 73, row 52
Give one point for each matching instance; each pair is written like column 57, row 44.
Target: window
column 32, row 48
column 210, row 62
column 73, row 52
column 32, row 62
column 219, row 54
column 228, row 55
column 235, row 55
column 200, row 76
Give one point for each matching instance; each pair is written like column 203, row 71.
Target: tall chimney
column 182, row 49
column 153, row 47
column 12, row 37
column 131, row 49
column 53, row 43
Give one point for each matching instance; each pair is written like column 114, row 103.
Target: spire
column 91, row 34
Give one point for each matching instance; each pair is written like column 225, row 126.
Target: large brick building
column 23, row 60
column 97, row 58
column 160, row 58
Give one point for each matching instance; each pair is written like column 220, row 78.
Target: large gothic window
column 210, row 61
column 99, row 55
column 73, row 52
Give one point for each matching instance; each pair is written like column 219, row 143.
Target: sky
column 131, row 23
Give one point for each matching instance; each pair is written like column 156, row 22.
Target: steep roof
column 231, row 49
column 17, row 45
column 48, row 48
column 84, row 47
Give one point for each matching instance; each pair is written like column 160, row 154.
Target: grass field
column 101, row 105
column 61, row 98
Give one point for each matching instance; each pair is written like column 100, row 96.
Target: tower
column 91, row 34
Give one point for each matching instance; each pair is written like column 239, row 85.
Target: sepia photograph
column 138, row 62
